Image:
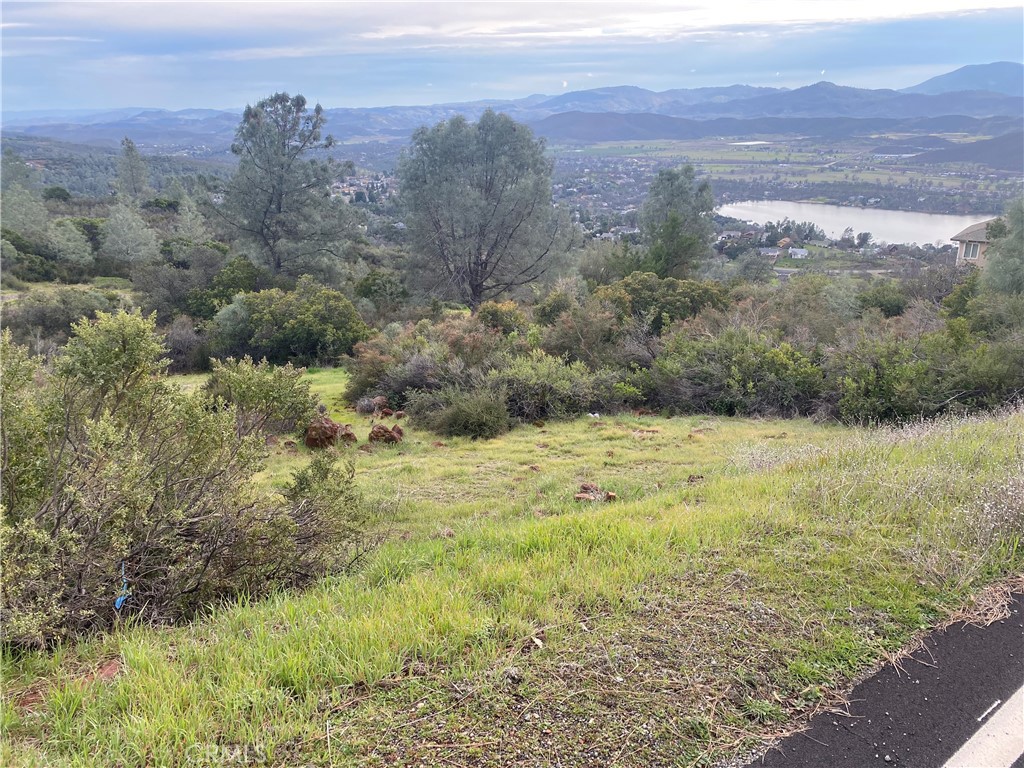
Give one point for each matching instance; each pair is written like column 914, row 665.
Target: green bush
column 477, row 413
column 265, row 397
column 888, row 297
column 111, row 469
column 661, row 301
column 48, row 317
column 539, row 386
column 312, row 324
column 737, row 372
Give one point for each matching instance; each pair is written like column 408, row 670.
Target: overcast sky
column 68, row 55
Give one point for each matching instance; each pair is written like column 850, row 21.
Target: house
column 785, row 242
column 771, row 253
column 972, row 243
column 798, row 253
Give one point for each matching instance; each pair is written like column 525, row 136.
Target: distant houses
column 972, row 244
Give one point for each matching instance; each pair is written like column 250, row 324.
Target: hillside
column 1006, row 77
column 747, row 572
column 1005, row 153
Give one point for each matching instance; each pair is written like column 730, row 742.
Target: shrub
column 888, row 297
column 885, row 379
column 111, row 469
column 737, row 372
column 266, row 398
column 504, row 316
column 661, row 301
column 477, row 413
column 425, row 356
column 312, row 324
column 539, row 386
column 588, row 333
column 48, row 317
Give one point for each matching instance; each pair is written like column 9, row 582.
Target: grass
column 747, row 572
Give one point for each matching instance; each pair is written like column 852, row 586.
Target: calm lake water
column 888, row 226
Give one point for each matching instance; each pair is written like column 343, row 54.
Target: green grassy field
column 746, row 572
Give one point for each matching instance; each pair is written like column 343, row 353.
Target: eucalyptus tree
column 278, row 203
column 479, row 202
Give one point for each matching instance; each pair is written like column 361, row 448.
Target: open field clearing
column 744, row 574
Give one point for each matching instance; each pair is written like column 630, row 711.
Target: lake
column 887, row 226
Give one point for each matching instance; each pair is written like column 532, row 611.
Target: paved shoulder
column 958, row 701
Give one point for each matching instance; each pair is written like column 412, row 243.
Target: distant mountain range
column 988, row 95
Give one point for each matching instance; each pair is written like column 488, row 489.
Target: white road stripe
column 998, row 742
column 988, row 711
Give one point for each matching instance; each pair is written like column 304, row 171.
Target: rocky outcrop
column 381, row 434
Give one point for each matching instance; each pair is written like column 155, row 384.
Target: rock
column 346, row 435
column 386, row 412
column 322, row 432
column 694, row 478
column 399, row 414
column 381, row 434
column 364, row 406
column 513, row 675
column 397, row 430
column 379, row 403
column 439, row 444
column 591, row 492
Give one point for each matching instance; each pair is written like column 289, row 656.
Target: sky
column 223, row 55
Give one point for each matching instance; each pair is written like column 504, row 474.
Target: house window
column 971, row 251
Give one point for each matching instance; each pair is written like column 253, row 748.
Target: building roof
column 976, row 233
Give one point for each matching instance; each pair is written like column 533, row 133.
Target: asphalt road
column 962, row 684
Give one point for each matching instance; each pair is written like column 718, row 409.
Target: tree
column 479, row 198
column 190, row 226
column 1004, row 258
column 863, row 239
column 70, row 242
column 132, row 176
column 14, row 170
column 56, row 194
column 278, row 202
column 675, row 221
column 127, row 238
column 23, row 212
